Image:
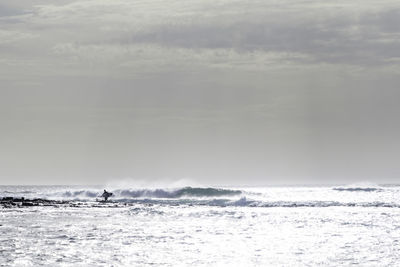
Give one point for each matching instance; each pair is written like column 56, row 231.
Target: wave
column 178, row 193
column 18, row 192
column 213, row 202
column 189, row 192
column 80, row 193
column 357, row 189
column 324, row 204
column 244, row 202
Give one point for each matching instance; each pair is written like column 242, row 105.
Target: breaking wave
column 220, row 197
column 177, row 193
column 197, row 192
column 357, row 189
column 80, row 193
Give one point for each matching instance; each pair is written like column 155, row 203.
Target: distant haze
column 216, row 92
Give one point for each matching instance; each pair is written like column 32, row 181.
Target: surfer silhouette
column 106, row 195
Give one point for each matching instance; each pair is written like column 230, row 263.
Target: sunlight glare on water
column 204, row 234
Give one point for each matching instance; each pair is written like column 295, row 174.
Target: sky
column 224, row 92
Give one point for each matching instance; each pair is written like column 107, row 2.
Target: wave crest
column 80, row 193
column 197, row 192
column 357, row 189
column 177, row 193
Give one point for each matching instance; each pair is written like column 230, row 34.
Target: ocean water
column 271, row 226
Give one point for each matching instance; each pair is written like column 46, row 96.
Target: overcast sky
column 211, row 91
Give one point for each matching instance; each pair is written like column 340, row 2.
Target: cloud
column 7, row 37
column 117, row 87
column 8, row 11
column 338, row 33
column 88, row 36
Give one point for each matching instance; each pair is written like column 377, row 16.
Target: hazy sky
column 213, row 91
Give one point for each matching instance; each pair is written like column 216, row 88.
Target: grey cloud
column 387, row 21
column 199, row 88
column 8, row 11
column 334, row 36
column 323, row 41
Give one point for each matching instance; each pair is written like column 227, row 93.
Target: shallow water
column 238, row 230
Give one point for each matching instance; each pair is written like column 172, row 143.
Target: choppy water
column 277, row 226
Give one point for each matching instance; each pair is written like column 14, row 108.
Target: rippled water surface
column 256, row 227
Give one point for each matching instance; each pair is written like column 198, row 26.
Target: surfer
column 106, row 195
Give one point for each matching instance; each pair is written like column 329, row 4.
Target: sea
column 339, row 225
